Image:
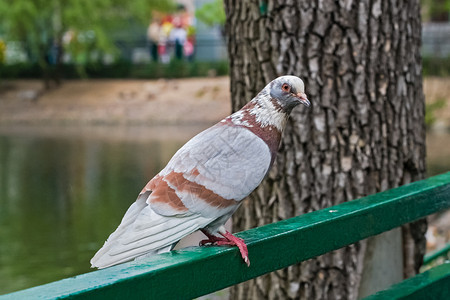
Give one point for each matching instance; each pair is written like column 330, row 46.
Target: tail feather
column 143, row 232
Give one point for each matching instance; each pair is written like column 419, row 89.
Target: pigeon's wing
column 143, row 231
column 212, row 173
column 204, row 181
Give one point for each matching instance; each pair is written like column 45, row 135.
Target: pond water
column 62, row 195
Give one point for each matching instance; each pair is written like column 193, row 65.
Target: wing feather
column 230, row 161
column 130, row 216
column 148, row 233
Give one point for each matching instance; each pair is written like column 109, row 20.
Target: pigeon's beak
column 303, row 99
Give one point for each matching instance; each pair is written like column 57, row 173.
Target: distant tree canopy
column 435, row 10
column 47, row 28
column 212, row 13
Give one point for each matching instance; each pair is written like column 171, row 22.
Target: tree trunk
column 361, row 64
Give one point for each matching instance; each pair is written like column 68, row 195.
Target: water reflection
column 61, row 197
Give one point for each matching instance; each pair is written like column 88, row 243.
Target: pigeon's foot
column 228, row 239
column 212, row 239
column 232, row 240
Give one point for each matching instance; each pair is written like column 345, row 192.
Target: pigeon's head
column 289, row 91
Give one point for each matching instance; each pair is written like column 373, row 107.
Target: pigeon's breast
column 270, row 134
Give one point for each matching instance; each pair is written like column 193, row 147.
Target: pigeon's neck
column 264, row 117
column 263, row 111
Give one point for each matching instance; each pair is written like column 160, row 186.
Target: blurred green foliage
column 435, row 10
column 212, row 13
column 436, row 66
column 431, row 109
column 121, row 69
column 2, row 51
column 74, row 26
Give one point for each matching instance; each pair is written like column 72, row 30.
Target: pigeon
column 206, row 180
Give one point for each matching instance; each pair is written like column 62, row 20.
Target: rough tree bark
column 361, row 64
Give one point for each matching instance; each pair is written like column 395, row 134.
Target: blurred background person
column 178, row 37
column 153, row 33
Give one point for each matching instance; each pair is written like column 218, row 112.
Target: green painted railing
column 443, row 252
column 197, row 271
column 432, row 284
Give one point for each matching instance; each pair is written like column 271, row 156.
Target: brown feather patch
column 181, row 184
column 163, row 193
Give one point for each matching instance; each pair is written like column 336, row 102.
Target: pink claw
column 228, row 239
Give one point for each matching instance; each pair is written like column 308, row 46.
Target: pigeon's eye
column 286, row 88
